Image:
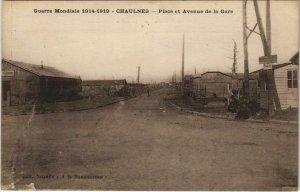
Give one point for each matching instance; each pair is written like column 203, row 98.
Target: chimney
column 42, row 66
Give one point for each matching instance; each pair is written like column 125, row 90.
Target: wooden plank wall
column 288, row 96
column 25, row 86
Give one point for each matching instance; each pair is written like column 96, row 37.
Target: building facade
column 286, row 84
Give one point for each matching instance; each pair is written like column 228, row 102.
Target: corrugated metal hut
column 28, row 83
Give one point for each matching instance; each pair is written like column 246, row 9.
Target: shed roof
column 104, row 82
column 278, row 66
column 226, row 74
column 41, row 71
column 237, row 75
column 295, row 59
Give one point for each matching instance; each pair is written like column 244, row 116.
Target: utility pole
column 272, row 93
column 245, row 45
column 175, row 76
column 270, row 72
column 261, row 27
column 138, row 76
column 266, row 41
column 182, row 70
column 268, row 27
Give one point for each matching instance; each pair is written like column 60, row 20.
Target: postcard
column 150, row 95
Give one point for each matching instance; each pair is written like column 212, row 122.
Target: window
column 292, row 79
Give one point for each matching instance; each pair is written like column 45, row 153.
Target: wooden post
column 182, row 70
column 270, row 72
column 268, row 26
column 261, row 28
column 245, row 44
column 175, row 76
column 266, row 41
column 272, row 92
column 138, row 77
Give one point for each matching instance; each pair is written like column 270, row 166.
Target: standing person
column 148, row 90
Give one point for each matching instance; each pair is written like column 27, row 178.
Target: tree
column 234, row 58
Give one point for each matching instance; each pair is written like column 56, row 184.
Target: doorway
column 5, row 90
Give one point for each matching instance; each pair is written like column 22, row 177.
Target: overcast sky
column 111, row 46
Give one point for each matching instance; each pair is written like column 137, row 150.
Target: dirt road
column 141, row 144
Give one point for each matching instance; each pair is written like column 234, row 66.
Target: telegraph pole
column 175, row 76
column 268, row 26
column 261, row 27
column 272, row 94
column 245, row 44
column 270, row 72
column 182, row 70
column 138, row 77
column 268, row 59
